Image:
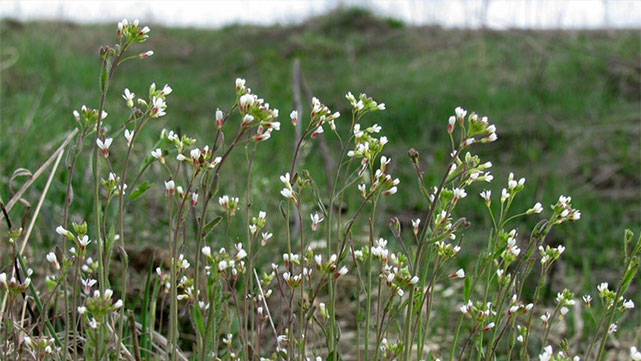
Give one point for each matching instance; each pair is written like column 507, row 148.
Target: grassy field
column 566, row 105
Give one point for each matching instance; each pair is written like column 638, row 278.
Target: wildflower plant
column 234, row 305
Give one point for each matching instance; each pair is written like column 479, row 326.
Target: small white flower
column 458, row 274
column 266, row 237
column 288, row 193
column 486, row 194
column 129, row 135
column 488, row 327
column 634, row 354
column 294, row 117
column 459, row 193
column 415, row 225
column 342, row 271
column 240, row 83
column 219, row 118
column 146, row 54
column 195, row 154
column 613, row 328
column 51, row 258
column 93, row 323
column 564, row 310
column 248, row 118
column 491, row 138
column 537, row 208
column 460, row 112
column 222, row 265
column 166, row 90
column 84, row 241
column 576, row 215
column 547, row 354
column 62, row 231
column 88, row 284
column 390, row 191
column 504, row 195
column 602, row 287
column 317, row 132
column 206, row 251
column 316, row 219
column 628, row 304
column 545, row 317
column 285, row 179
column 158, row 107
column 170, row 187
column 362, row 189
column 157, row 154
column 129, row 97
column 104, row 145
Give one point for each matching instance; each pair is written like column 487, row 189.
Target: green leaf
column 142, row 188
column 333, row 356
column 104, row 77
column 213, row 223
column 198, row 318
column 467, row 289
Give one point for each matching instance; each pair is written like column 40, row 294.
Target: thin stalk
column 428, row 218
column 369, row 279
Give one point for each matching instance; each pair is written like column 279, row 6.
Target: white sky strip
column 495, row 14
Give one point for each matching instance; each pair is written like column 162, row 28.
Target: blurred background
column 560, row 79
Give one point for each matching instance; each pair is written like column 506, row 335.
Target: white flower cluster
column 513, row 187
column 480, row 313
column 101, row 303
column 550, row 254
column 363, row 104
column 13, row 285
column 563, row 211
column 512, row 251
column 327, row 267
column 155, row 105
column 367, row 146
column 42, row 344
column 320, row 115
column 224, row 263
column 132, row 32
column 256, row 112
column 90, row 116
column 548, row 355
column 229, row 204
column 287, row 192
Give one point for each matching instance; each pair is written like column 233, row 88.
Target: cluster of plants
column 240, row 302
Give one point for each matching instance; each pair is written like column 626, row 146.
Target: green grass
column 566, row 105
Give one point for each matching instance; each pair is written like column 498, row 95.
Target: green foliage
column 501, row 301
